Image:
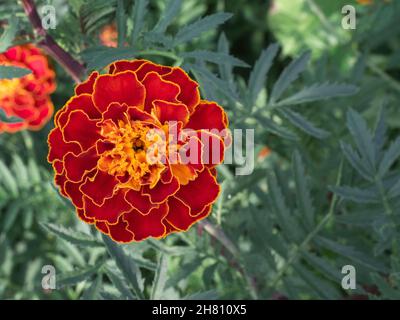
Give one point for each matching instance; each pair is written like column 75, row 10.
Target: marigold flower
column 120, row 148
column 109, row 36
column 27, row 98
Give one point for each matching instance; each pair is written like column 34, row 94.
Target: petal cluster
column 27, row 98
column 103, row 137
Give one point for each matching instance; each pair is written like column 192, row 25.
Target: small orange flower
column 264, row 152
column 27, row 98
column 109, row 36
column 121, row 145
column 365, row 2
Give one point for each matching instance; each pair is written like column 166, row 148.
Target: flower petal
column 119, row 232
column 158, row 89
column 161, row 191
column 208, row 115
column 87, row 86
column 189, row 92
column 139, row 201
column 149, row 66
column 110, row 210
column 77, row 165
column 199, row 193
column 150, row 225
column 58, row 147
column 169, row 111
column 122, row 87
column 100, row 187
column 125, row 65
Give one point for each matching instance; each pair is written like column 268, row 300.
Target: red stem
column 71, row 66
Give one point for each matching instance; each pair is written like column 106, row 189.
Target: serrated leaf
column 355, row 161
column 172, row 9
column 103, row 56
column 302, row 123
column 380, row 131
column 352, row 253
column 160, row 278
column 10, row 216
column 126, row 264
column 356, row 194
column 362, row 137
column 74, row 277
column 390, row 156
column 277, row 129
column 289, row 75
column 92, row 292
column 318, row 92
column 72, row 236
column 193, row 30
column 121, row 22
column 119, row 283
column 7, row 179
column 138, row 15
column 303, row 197
column 11, row 72
column 215, row 57
column 258, row 76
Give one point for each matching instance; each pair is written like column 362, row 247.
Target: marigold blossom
column 135, row 151
column 109, row 36
column 26, row 98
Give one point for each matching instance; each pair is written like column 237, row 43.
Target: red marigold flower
column 103, row 137
column 27, row 98
column 109, row 35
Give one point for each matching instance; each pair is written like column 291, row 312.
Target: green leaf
column 193, row 30
column 119, row 283
column 363, row 138
column 352, row 253
column 356, row 194
column 289, row 75
column 92, row 292
column 303, row 197
column 207, row 295
column 277, row 129
column 160, row 278
column 126, row 264
column 103, row 56
column 355, row 161
column 10, row 216
column 138, row 15
column 11, row 72
column 74, row 277
column 258, row 76
column 7, row 179
column 8, row 35
column 380, row 131
column 390, row 156
column 72, row 236
column 302, row 123
column 319, row 92
column 172, row 9
column 121, row 22
column 214, row 57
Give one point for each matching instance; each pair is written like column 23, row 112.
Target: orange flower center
column 134, row 156
column 8, row 87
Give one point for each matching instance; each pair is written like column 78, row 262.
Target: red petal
column 179, row 214
column 139, row 201
column 169, row 111
column 73, row 192
column 58, row 147
column 161, row 191
column 213, row 148
column 77, row 166
column 125, row 65
column 199, row 193
column 79, row 128
column 102, row 226
column 144, row 226
column 83, row 102
column 208, row 115
column 119, row 232
column 122, row 87
column 110, row 210
column 147, row 67
column 189, row 92
column 99, row 187
column 82, row 216
column 87, row 86
column 158, row 89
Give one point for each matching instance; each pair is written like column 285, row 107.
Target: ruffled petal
column 189, row 92
column 77, row 165
column 122, row 87
column 150, row 225
column 125, row 65
column 208, row 115
column 110, row 210
column 58, row 147
column 79, row 128
column 169, row 111
column 199, row 193
column 87, row 86
column 161, row 191
column 119, row 232
column 148, row 67
column 179, row 214
column 100, row 187
column 139, row 201
column 158, row 89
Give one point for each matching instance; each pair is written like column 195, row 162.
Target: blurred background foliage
column 325, row 191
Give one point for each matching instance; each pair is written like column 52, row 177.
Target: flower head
column 135, row 150
column 26, row 98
